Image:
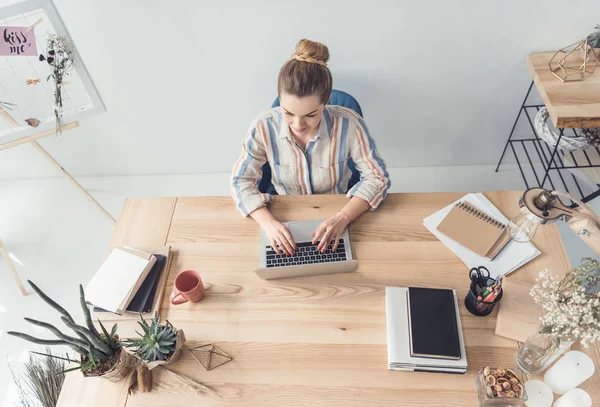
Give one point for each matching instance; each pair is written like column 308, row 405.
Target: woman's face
column 302, row 114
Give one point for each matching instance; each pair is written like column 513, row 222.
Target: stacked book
column 129, row 281
column 424, row 333
column 477, row 232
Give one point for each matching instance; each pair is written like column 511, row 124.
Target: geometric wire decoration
column 206, row 359
column 574, row 62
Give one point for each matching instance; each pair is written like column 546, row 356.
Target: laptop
column 306, row 261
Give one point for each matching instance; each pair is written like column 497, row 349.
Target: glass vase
column 539, row 351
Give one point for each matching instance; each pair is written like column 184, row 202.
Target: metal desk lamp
column 540, row 207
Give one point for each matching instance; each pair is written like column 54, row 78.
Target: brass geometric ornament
column 210, row 356
column 574, row 62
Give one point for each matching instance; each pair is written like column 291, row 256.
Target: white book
column 510, row 259
column 116, row 282
column 398, row 338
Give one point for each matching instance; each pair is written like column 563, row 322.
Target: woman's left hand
column 330, row 230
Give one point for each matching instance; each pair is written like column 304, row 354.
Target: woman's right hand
column 280, row 237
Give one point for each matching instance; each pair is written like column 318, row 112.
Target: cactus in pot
column 101, row 354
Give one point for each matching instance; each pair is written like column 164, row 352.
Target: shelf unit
column 571, row 106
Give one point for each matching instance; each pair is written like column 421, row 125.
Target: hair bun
column 312, row 52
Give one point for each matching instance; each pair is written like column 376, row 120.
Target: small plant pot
column 174, row 356
column 119, row 370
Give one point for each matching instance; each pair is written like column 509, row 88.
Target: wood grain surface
column 318, row 341
column 570, row 104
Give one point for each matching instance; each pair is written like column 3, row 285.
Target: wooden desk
column 570, row 104
column 318, row 341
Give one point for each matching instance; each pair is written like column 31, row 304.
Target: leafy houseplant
column 101, row 354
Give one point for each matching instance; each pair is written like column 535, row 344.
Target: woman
column 307, row 145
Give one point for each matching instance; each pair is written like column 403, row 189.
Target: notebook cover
column 474, row 233
column 137, row 285
column 110, row 317
column 432, row 323
column 146, row 292
column 121, row 272
column 500, row 245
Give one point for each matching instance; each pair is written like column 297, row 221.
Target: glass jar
column 487, row 399
column 539, row 351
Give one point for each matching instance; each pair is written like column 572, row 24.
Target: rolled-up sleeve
column 247, row 174
column 374, row 178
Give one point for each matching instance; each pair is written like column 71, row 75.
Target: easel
column 33, row 140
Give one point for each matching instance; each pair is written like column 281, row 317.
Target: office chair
column 338, row 98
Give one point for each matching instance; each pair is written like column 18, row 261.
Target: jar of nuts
column 500, row 387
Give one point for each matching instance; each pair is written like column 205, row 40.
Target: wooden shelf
column 570, row 104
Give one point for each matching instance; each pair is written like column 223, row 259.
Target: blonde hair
column 306, row 73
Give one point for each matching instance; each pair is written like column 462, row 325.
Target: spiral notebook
column 475, row 230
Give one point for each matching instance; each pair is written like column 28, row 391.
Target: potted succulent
column 100, row 354
column 158, row 344
column 594, row 38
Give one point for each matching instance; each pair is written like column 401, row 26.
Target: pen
column 491, row 297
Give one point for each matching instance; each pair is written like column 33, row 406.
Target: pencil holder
column 481, row 308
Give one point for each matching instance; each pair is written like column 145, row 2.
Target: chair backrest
column 338, row 98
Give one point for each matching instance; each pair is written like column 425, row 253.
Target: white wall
column 440, row 81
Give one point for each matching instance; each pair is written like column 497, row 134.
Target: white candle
column 574, row 398
column 569, row 372
column 538, row 394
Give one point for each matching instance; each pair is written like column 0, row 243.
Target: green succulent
column 157, row 342
column 594, row 38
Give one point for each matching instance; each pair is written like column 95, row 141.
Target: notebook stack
column 424, row 333
column 129, row 281
column 476, row 231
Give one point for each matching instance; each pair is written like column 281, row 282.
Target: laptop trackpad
column 303, row 231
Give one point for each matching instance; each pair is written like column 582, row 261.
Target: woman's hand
column 280, row 237
column 331, row 229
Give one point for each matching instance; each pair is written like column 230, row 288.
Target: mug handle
column 173, row 298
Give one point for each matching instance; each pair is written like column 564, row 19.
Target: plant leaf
column 104, row 331
column 71, row 369
column 55, row 357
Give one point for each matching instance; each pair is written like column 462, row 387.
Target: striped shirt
column 322, row 168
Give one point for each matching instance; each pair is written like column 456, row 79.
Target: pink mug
column 188, row 285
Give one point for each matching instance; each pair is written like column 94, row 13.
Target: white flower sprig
column 571, row 304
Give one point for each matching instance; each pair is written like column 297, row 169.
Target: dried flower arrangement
column 39, row 384
column 60, row 58
column 572, row 304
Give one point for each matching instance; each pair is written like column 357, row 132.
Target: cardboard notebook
column 475, row 230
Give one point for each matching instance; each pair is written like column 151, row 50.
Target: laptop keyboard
column 306, row 253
